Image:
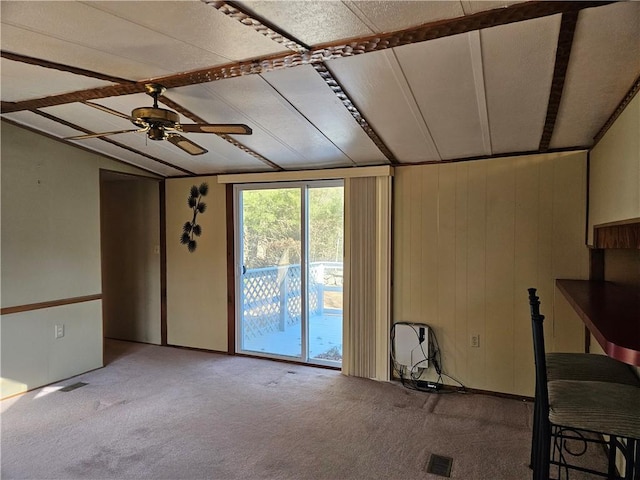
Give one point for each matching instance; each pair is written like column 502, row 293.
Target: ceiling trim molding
column 635, row 88
column 528, row 153
column 337, row 89
column 320, row 53
column 563, row 53
column 108, row 140
column 195, row 118
column 63, row 68
column 300, row 175
column 260, row 25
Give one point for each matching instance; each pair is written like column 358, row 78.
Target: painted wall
column 50, row 251
column 469, row 239
column 130, row 210
column 614, row 179
column 197, row 282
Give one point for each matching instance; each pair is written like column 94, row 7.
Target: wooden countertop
column 611, row 313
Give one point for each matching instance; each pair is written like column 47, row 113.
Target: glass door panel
column 271, row 281
column 326, row 241
column 290, row 245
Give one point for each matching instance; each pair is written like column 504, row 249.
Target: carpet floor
column 167, row 413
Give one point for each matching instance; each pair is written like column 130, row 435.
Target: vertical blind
column 367, row 286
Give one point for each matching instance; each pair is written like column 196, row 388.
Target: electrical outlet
column 59, row 331
column 475, row 341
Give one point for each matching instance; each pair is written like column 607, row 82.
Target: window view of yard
column 272, row 295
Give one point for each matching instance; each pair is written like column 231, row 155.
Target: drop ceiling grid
column 197, row 24
column 604, row 63
column 268, row 113
column 440, row 73
column 102, row 32
column 518, row 68
column 312, row 97
column 23, row 81
column 376, row 85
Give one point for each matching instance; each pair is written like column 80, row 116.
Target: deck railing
column 272, row 296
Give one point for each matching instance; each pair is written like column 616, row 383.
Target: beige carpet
column 166, row 413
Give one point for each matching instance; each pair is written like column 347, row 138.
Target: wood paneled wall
column 469, row 239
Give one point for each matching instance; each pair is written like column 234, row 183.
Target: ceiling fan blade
column 186, row 144
column 104, row 134
column 221, row 128
column 109, row 110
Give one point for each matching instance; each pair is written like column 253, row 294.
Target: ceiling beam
column 108, row 140
column 563, row 53
column 195, row 118
column 259, row 24
column 321, row 53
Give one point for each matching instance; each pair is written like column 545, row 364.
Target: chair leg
column 535, row 431
column 542, row 454
column 612, row 457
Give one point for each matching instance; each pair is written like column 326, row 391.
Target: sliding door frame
column 304, row 187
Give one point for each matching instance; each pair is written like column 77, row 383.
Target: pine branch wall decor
column 191, row 229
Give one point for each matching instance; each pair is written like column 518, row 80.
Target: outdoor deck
column 325, row 339
column 272, row 302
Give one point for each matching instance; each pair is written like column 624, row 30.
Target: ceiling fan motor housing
column 159, row 117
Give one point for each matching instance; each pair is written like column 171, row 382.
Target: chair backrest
column 539, row 353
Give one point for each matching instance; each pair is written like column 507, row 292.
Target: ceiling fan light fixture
column 156, row 132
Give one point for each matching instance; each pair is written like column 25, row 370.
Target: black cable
column 435, row 358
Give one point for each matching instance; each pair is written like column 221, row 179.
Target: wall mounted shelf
column 611, row 313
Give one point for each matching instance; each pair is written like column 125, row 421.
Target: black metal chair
column 583, row 410
column 582, row 366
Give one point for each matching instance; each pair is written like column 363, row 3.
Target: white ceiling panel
column 396, row 15
column 441, row 76
column 377, row 87
column 222, row 156
column 211, row 162
column 56, row 129
column 39, row 122
column 197, row 24
column 38, row 45
column 312, row 97
column 280, row 133
column 471, row 7
column 112, row 150
column 104, row 32
column 22, row 81
column 311, row 22
column 605, row 61
column 518, row 69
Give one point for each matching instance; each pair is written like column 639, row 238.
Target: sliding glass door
column 289, row 240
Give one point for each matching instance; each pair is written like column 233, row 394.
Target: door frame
column 238, row 247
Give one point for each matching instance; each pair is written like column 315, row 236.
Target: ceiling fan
column 162, row 124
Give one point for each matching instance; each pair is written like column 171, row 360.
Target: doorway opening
column 290, row 242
